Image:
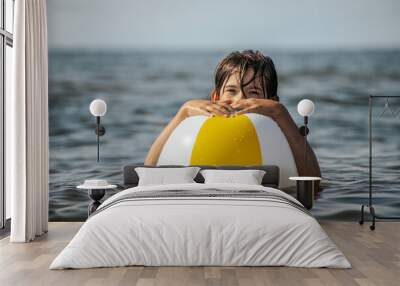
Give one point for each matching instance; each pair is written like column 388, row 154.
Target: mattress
column 201, row 225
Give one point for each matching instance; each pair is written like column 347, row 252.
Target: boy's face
column 231, row 90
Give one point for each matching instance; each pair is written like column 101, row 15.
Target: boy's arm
column 190, row 108
column 280, row 114
column 296, row 142
column 156, row 148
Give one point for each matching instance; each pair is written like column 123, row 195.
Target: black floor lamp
column 305, row 108
column 98, row 108
column 305, row 183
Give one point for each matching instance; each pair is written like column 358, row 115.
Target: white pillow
column 163, row 176
column 248, row 177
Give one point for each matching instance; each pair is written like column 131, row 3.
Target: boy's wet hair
column 241, row 62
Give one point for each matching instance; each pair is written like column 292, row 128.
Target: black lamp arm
column 100, row 130
column 304, row 132
column 304, row 129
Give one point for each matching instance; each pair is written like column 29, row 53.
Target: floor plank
column 375, row 257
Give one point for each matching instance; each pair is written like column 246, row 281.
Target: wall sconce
column 98, row 108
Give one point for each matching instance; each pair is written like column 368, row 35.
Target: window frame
column 6, row 39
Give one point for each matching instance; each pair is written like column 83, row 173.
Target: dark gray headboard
column 270, row 179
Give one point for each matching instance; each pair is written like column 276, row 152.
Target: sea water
column 144, row 90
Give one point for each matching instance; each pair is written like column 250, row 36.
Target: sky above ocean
column 208, row 24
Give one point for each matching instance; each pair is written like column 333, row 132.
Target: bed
column 197, row 224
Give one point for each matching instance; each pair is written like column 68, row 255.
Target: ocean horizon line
column 273, row 49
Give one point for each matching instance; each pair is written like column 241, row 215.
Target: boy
column 245, row 82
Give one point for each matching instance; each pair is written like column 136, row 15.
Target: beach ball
column 242, row 140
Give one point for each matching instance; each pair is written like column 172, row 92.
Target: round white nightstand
column 305, row 190
column 96, row 193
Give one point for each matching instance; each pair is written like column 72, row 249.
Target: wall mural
column 144, row 90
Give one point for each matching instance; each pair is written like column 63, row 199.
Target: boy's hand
column 262, row 106
column 206, row 107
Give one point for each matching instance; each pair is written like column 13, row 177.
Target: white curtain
column 27, row 123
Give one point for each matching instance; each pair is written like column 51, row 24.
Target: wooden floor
column 375, row 257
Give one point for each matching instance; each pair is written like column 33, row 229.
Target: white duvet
column 200, row 231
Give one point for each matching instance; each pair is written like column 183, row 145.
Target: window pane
column 8, row 90
column 9, row 15
column 1, row 14
column 2, row 202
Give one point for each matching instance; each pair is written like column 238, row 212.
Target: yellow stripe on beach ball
column 227, row 141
